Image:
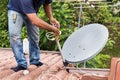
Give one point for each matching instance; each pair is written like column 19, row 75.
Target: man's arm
column 28, row 9
column 48, row 10
column 42, row 24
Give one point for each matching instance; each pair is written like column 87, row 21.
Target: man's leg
column 33, row 33
column 15, row 22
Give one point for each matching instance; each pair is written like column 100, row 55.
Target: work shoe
column 18, row 68
column 39, row 64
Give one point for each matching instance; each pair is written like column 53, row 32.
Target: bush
column 100, row 61
column 4, row 39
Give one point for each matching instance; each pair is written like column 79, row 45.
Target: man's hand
column 54, row 22
column 56, row 31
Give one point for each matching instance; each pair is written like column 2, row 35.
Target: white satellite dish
column 85, row 43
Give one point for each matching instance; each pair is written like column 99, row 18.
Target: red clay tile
column 5, row 73
column 60, row 75
column 54, row 70
column 73, row 76
column 34, row 74
column 14, row 76
column 58, row 65
column 115, row 69
column 90, row 77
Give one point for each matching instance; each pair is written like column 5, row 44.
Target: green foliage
column 96, row 15
column 3, row 14
column 115, row 1
column 63, row 12
column 4, row 39
column 100, row 61
column 113, row 45
column 110, row 43
column 24, row 33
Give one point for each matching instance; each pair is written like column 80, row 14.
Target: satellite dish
column 85, row 43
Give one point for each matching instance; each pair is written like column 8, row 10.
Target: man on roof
column 25, row 11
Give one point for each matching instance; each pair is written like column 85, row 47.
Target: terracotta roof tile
column 53, row 69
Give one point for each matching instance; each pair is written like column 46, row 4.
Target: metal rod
column 97, row 6
column 80, row 13
column 59, row 47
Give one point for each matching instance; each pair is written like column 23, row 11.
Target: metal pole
column 80, row 13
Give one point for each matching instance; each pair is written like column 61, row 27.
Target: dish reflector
column 85, row 43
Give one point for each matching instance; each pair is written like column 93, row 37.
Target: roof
column 54, row 70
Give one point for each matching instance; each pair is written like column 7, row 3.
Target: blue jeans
column 15, row 22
